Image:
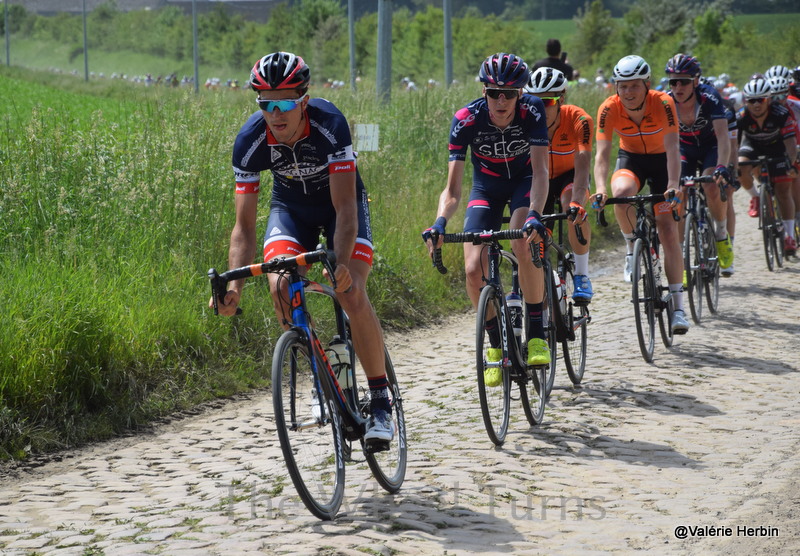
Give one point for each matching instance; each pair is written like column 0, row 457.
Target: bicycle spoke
column 495, row 397
column 643, row 298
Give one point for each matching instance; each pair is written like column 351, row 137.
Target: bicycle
column 531, row 380
column 650, row 298
column 700, row 260
column 317, row 413
column 571, row 318
column 769, row 219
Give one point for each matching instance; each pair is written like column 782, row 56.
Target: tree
column 594, row 26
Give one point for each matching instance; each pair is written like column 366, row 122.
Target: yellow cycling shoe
column 492, row 376
column 538, row 352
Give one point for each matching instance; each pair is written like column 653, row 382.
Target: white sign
column 366, row 137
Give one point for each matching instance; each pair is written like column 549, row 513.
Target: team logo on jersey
column 275, row 154
column 275, row 231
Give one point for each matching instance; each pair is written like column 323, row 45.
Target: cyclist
column 779, row 87
column 569, row 129
column 733, row 134
column 704, row 144
column 794, row 84
column 648, row 128
column 768, row 129
column 506, row 132
column 306, row 145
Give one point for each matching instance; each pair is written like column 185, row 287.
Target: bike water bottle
column 559, row 285
column 339, row 357
column 514, row 302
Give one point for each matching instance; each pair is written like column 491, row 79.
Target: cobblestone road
column 705, row 438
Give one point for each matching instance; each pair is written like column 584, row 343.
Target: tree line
column 318, row 30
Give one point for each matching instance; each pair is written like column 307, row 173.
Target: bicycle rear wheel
column 767, row 218
column 309, row 428
column 531, row 393
column 665, row 310
column 495, row 400
column 576, row 319
column 777, row 231
column 712, row 270
column 693, row 264
column 644, row 298
column 389, row 466
column 549, row 316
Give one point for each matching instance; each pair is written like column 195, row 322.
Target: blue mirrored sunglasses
column 284, row 105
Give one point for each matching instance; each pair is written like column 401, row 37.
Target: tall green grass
column 116, row 199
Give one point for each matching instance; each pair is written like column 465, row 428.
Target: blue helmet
column 504, row 70
column 683, row 64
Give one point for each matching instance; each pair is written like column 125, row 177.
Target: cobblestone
column 706, row 436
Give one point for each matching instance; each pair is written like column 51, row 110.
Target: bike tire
column 309, row 428
column 531, row 394
column 389, row 466
column 712, row 269
column 777, row 232
column 495, row 400
column 576, row 319
column 549, row 316
column 693, row 266
column 665, row 311
column 643, row 297
column 767, row 225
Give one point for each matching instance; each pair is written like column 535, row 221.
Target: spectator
column 555, row 59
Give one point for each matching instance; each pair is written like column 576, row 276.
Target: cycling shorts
column 779, row 171
column 694, row 159
column 643, row 167
column 292, row 230
column 488, row 200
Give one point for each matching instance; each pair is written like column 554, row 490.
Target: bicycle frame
column 353, row 424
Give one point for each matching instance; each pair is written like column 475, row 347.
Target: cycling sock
column 493, row 330
column 677, row 295
column 722, row 228
column 535, row 325
column 629, row 238
column 379, row 393
column 788, row 227
column 731, row 240
column 582, row 264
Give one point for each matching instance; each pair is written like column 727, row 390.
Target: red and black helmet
column 279, row 70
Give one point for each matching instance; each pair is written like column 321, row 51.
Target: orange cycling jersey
column 646, row 137
column 574, row 133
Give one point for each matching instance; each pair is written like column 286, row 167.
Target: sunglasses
column 780, row 97
column 756, row 100
column 682, row 81
column 550, row 101
column 509, row 94
column 284, row 105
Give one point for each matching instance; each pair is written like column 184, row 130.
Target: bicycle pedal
column 374, row 446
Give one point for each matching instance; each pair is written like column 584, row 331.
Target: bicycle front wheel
column 309, row 428
column 575, row 343
column 711, row 274
column 767, row 217
column 494, row 380
column 643, row 295
column 693, row 264
column 389, row 466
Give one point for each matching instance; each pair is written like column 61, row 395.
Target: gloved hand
column 724, row 173
column 436, row 230
column 534, row 224
column 578, row 211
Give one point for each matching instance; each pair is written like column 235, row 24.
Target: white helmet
column 631, row 68
column 778, row 85
column 757, row 88
column 777, row 71
column 546, row 80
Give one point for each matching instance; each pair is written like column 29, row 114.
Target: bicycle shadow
column 566, row 439
column 756, row 289
column 691, row 358
column 660, row 402
column 438, row 513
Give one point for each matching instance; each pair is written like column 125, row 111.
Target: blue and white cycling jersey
column 301, row 173
column 700, row 133
column 499, row 153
